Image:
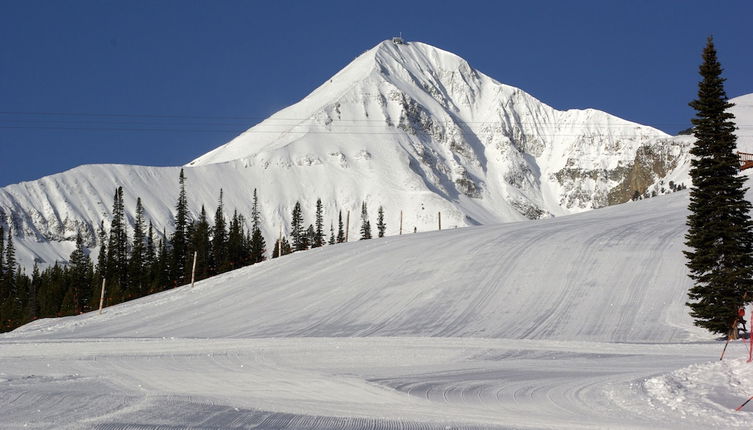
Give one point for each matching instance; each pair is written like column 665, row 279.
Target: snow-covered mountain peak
column 409, row 127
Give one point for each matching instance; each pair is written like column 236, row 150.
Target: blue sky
column 162, row 82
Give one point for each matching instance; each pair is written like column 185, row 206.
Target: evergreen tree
column 2, row 255
column 117, row 247
column 163, row 279
column 10, row 265
column 309, row 236
column 297, row 232
column 10, row 303
column 80, row 277
column 331, row 233
column 179, row 242
column 720, row 233
column 258, row 247
column 201, row 244
column 219, row 240
column 32, row 308
column 286, row 248
column 318, row 239
column 102, row 257
column 150, row 253
column 137, row 260
column 365, row 224
column 381, row 226
column 255, row 214
column 237, row 252
column 340, row 232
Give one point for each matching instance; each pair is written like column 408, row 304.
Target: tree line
column 144, row 262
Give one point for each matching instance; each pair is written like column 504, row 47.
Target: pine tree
column 255, row 214
column 331, row 233
column 102, row 257
column 340, row 232
column 179, row 242
column 117, row 247
column 286, row 248
column 297, row 232
column 219, row 240
column 9, row 279
column 150, row 253
column 163, row 279
column 318, row 239
column 2, row 255
column 32, row 308
column 365, row 224
column 80, row 275
column 381, row 226
column 258, row 247
column 720, row 232
column 309, row 236
column 201, row 244
column 237, row 253
column 137, row 260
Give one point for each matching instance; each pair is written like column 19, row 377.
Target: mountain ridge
column 409, row 127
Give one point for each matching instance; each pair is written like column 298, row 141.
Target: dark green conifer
column 318, row 239
column 365, row 224
column 340, row 232
column 179, row 240
column 381, row 226
column 286, row 248
column 220, row 258
column 297, row 231
column 720, row 233
column 201, row 244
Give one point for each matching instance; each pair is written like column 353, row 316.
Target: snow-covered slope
column 615, row 274
column 743, row 111
column 575, row 322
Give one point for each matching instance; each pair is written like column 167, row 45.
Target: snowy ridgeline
column 409, row 127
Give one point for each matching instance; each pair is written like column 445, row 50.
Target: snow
column 570, row 322
column 743, row 111
column 577, row 321
column 411, row 127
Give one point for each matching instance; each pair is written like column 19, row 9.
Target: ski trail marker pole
column 725, row 349
column 193, row 270
column 746, row 402
column 102, row 297
column 750, row 350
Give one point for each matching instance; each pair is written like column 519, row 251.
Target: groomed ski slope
column 573, row 322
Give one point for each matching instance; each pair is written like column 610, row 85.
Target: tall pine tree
column 297, row 231
column 365, row 223
column 381, row 226
column 340, row 232
column 318, row 239
column 720, row 233
column 219, row 240
column 179, row 242
column 137, row 261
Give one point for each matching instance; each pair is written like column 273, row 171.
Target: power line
column 267, row 119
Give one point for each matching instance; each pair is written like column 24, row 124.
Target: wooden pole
column 439, row 217
column 102, row 297
column 401, row 222
column 347, row 226
column 279, row 244
column 193, row 270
